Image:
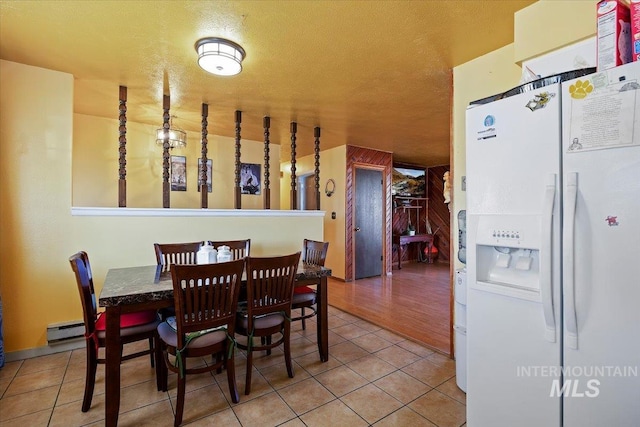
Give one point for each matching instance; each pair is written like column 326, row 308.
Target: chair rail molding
column 173, row 212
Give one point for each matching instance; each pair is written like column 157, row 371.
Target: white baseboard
column 46, row 350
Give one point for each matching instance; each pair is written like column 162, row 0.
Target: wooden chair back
column 206, row 296
column 314, row 252
column 176, row 253
column 239, row 248
column 84, row 279
column 270, row 284
column 138, row 326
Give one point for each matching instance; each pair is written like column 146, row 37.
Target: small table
column 400, row 240
column 150, row 287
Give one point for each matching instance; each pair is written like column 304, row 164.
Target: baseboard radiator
column 58, row 333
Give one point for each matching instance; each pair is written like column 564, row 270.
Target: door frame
column 385, row 215
column 365, row 157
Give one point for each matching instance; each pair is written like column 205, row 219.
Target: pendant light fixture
column 177, row 137
column 220, row 56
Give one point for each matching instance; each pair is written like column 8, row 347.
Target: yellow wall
column 38, row 232
column 333, row 165
column 35, row 197
column 548, row 25
column 116, row 241
column 95, row 167
column 109, row 242
column 540, row 28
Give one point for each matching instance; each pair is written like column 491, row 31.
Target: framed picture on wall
column 408, row 181
column 250, row 178
column 209, row 172
column 178, row 173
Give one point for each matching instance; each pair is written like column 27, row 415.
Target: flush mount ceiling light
column 177, row 137
column 220, row 56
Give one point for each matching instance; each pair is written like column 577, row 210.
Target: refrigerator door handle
column 569, row 273
column 546, row 289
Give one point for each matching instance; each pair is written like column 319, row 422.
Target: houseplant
column 411, row 229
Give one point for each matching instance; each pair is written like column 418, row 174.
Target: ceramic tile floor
column 373, row 377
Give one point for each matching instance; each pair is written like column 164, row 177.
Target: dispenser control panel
column 514, row 231
column 506, row 234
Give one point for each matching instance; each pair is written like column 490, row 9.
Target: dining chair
column 134, row 327
column 206, row 303
column 304, row 297
column 268, row 308
column 239, row 248
column 176, row 253
column 168, row 254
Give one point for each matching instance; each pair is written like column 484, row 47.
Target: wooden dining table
column 150, row 287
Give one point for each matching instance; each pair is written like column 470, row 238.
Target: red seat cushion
column 128, row 320
column 303, row 290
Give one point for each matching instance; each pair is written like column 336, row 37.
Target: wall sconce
column 330, row 187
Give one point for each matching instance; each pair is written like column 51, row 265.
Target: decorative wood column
column 294, row 192
column 166, row 186
column 238, row 192
column 122, row 149
column 316, row 135
column 266, row 123
column 204, row 189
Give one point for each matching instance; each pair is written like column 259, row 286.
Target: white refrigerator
column 553, row 255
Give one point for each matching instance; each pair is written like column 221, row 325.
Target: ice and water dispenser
column 508, row 255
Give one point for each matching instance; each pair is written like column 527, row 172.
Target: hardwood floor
column 413, row 302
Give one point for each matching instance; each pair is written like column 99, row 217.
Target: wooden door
column 368, row 223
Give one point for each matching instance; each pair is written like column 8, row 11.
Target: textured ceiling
column 370, row 73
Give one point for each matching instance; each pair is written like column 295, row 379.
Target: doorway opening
column 307, row 192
